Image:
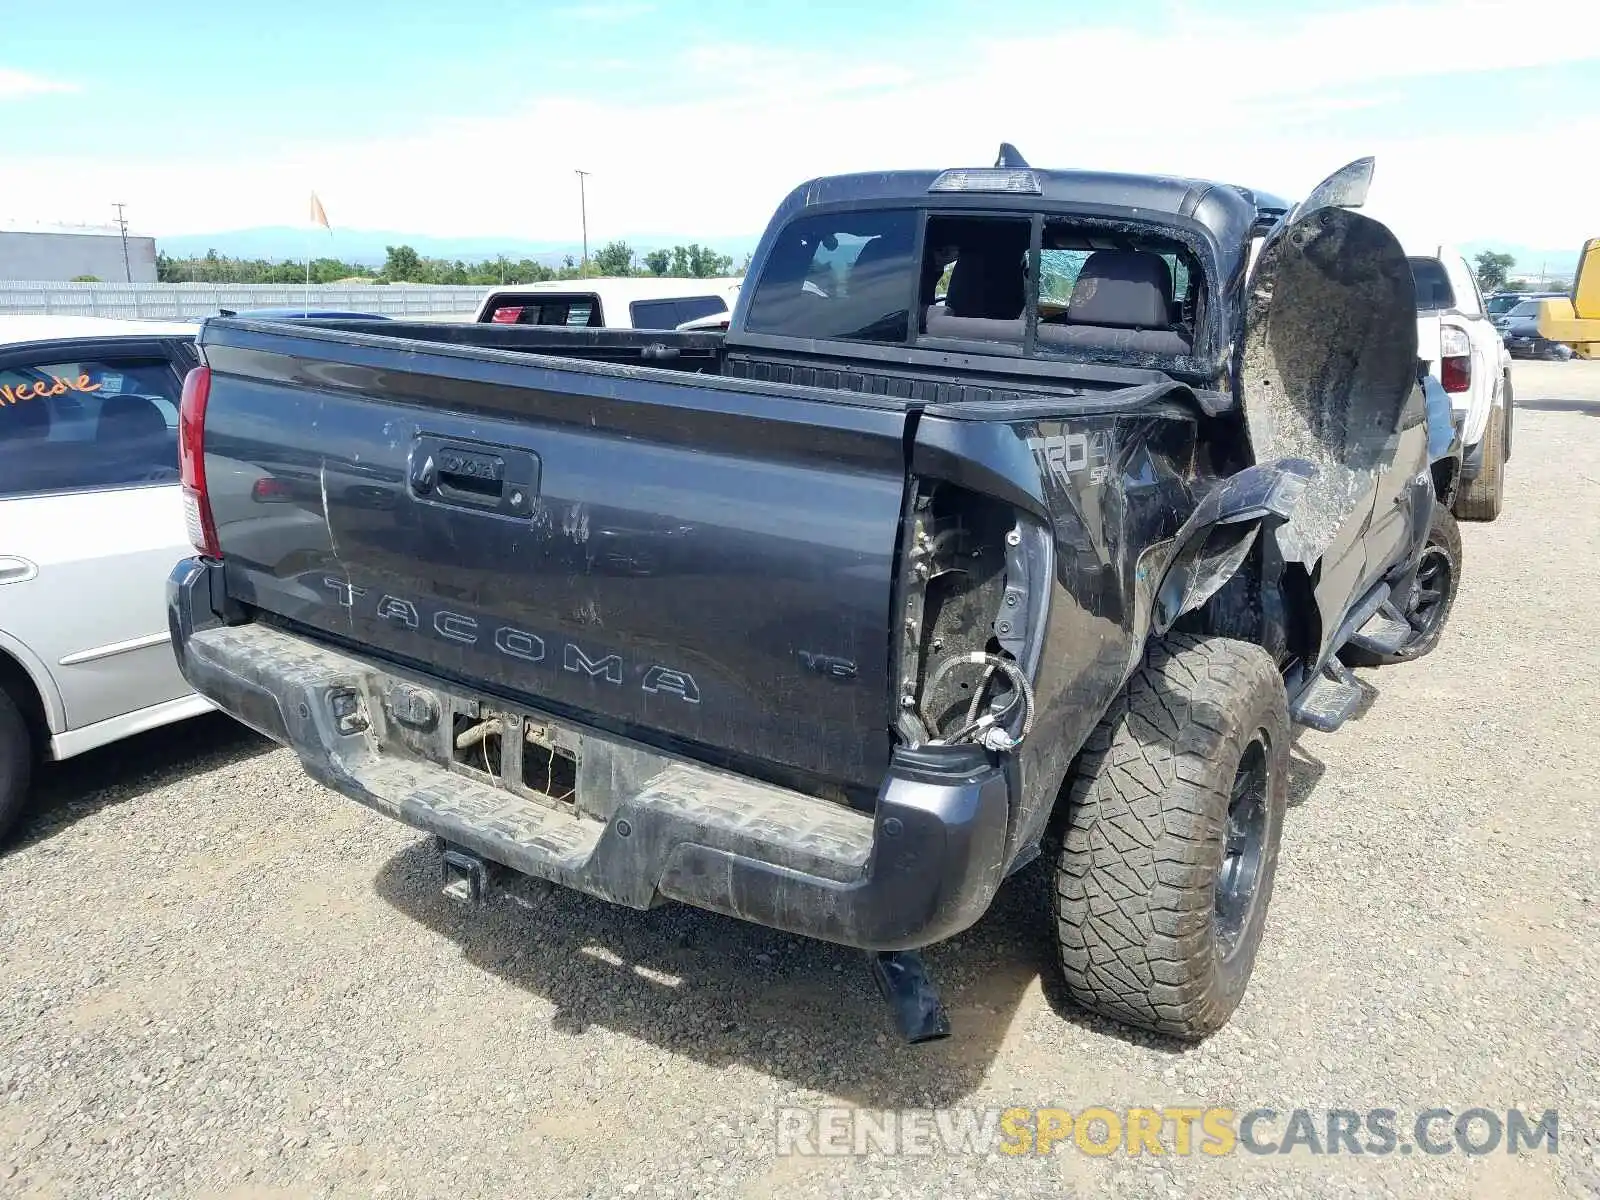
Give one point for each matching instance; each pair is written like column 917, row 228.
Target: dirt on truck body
column 1016, row 513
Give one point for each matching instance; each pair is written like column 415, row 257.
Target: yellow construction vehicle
column 1576, row 321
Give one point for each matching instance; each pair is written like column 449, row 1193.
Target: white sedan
column 91, row 523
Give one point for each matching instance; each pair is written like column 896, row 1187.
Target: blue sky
column 695, row 116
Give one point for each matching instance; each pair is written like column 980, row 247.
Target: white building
column 55, row 253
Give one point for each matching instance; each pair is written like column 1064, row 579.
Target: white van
column 633, row 302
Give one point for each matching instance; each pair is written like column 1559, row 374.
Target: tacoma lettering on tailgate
column 658, row 678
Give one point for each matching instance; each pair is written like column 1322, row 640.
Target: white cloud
column 16, row 84
column 1265, row 105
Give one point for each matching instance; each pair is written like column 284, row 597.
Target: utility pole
column 583, row 208
column 122, row 224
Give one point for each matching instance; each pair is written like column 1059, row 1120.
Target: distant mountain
column 276, row 243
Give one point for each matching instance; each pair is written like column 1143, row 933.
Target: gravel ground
column 217, row 978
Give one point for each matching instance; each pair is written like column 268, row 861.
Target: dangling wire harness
column 986, row 729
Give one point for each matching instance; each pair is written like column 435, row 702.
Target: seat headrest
column 129, row 418
column 1435, row 293
column 989, row 278
column 26, row 419
column 1126, row 289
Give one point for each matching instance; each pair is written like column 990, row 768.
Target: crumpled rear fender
column 1213, row 543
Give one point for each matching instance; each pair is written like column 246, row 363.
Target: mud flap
column 1329, row 358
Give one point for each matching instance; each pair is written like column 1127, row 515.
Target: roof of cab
column 1227, row 213
column 17, row 330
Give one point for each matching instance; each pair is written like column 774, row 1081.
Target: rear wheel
column 1427, row 606
column 16, row 763
column 1170, row 839
column 1480, row 498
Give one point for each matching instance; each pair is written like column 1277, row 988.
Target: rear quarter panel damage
column 1113, row 489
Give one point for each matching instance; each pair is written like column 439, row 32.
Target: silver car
column 91, row 522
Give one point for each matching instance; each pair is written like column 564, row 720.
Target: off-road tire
column 1444, row 538
column 1480, row 499
column 16, row 763
column 1141, row 845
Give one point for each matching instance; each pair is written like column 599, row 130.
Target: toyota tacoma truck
column 1018, row 512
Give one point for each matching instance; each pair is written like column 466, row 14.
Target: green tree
column 529, row 271
column 693, row 261
column 614, row 258
column 331, row 270
column 402, row 264
column 657, row 262
column 219, row 268
column 1493, row 269
column 704, row 262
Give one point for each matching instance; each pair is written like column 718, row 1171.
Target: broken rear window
column 1125, row 292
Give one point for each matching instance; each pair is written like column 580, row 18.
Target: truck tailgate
column 677, row 558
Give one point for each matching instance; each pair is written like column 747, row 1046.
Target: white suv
column 1458, row 340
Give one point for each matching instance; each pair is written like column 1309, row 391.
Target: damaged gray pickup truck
column 1018, row 511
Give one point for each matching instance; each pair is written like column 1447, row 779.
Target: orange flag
column 318, row 216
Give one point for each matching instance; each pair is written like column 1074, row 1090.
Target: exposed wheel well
column 18, row 685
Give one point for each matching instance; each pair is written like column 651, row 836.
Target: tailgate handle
column 492, row 478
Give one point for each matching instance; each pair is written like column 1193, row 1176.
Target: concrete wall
column 171, row 300
column 63, row 256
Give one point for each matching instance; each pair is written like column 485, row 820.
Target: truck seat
column 130, row 418
column 1122, row 300
column 988, row 290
